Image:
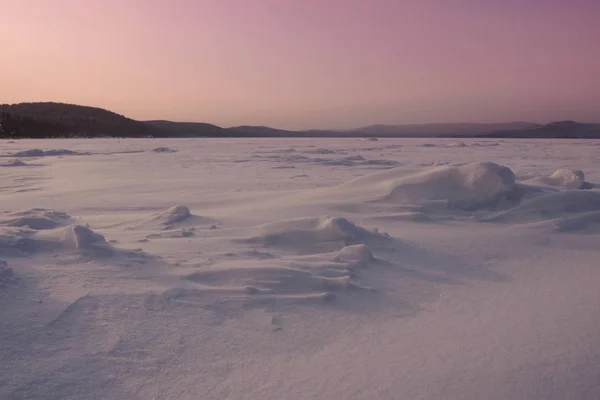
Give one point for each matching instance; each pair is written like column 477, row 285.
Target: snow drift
column 40, row 230
column 302, row 232
column 43, row 153
column 6, row 273
column 549, row 206
column 470, row 186
column 563, row 178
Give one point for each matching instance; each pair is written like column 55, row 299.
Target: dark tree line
column 43, row 120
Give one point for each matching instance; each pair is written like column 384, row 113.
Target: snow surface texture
column 300, row 269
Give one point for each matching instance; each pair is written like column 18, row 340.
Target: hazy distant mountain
column 413, row 130
column 558, row 130
column 57, row 120
column 441, row 129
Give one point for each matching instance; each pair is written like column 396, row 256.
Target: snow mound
column 164, row 150
column 358, row 253
column 172, row 234
column 310, row 230
column 549, row 206
column 470, row 186
column 84, row 238
column 457, row 144
column 322, row 151
column 38, row 219
column 174, row 214
column 171, row 223
column 485, row 144
column 405, row 216
column 564, row 178
column 352, row 161
column 317, row 255
column 23, row 241
column 271, row 280
column 14, row 163
column 6, row 273
column 43, row 153
column 38, row 230
column 589, row 222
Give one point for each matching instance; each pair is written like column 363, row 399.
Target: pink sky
column 307, row 63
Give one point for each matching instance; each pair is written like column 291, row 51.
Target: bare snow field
column 300, row 269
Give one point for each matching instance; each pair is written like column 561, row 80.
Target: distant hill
column 413, row 130
column 46, row 120
column 40, row 120
column 554, row 130
column 441, row 129
column 187, row 129
column 261, row 131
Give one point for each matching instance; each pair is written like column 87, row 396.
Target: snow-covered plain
column 300, row 269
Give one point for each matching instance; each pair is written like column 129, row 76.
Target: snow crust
column 300, row 268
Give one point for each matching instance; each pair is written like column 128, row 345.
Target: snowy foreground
column 300, row 269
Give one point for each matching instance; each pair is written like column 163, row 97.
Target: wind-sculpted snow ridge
column 318, row 256
column 587, row 222
column 173, row 215
column 40, row 231
column 562, row 178
column 26, row 241
column 323, row 151
column 164, row 149
column 301, row 233
column 355, row 161
column 467, row 187
column 14, row 163
column 569, row 209
column 445, row 145
column 356, row 253
column 43, row 153
column 37, row 219
column 485, row 144
column 176, row 221
column 348, row 161
column 6, row 274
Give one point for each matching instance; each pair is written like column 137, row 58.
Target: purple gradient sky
column 307, row 63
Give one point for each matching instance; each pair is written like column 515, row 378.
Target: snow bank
column 173, row 215
column 84, row 238
column 316, row 255
column 475, row 185
column 164, row 150
column 358, row 253
column 175, row 222
column 311, row 230
column 20, row 241
column 40, row 230
column 38, row 219
column 549, row 206
column 14, row 163
column 589, row 221
column 457, row 144
column 562, row 178
column 6, row 273
column 43, row 153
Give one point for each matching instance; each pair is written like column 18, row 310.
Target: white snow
column 42, row 153
column 564, row 178
column 300, row 269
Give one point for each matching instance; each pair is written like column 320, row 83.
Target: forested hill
column 49, row 120
column 42, row 120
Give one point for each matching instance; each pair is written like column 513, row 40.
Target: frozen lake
column 300, row 269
